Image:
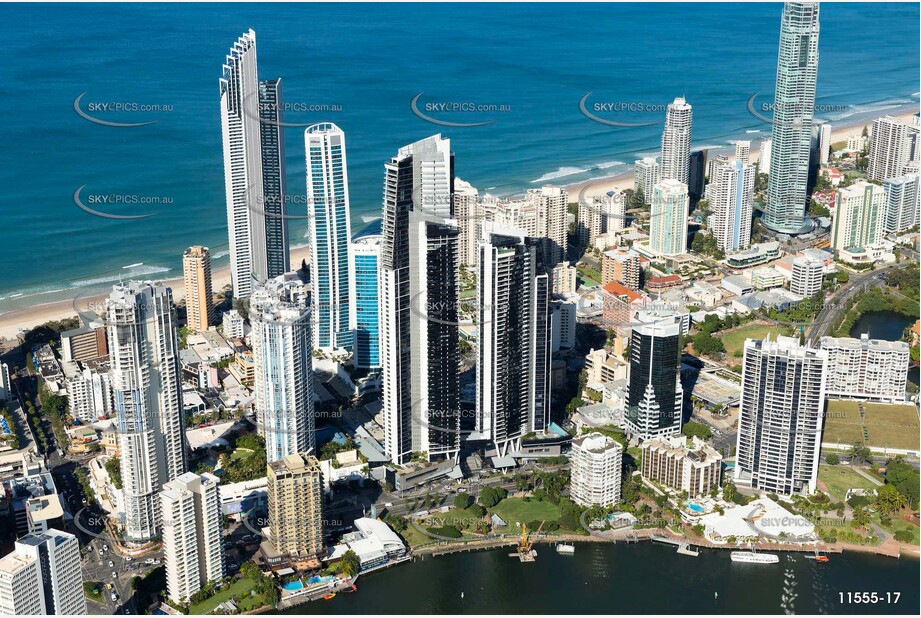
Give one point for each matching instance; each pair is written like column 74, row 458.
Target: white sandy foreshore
column 624, row 180
column 29, row 317
column 11, row 322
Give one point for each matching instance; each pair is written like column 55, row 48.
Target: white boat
column 750, row 556
column 564, row 548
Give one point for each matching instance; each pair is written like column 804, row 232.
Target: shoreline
column 437, row 550
column 624, row 180
column 31, row 316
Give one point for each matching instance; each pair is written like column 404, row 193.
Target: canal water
column 888, row 325
column 640, row 578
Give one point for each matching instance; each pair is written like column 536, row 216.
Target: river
column 641, row 578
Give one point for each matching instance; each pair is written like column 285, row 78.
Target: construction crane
column 525, row 545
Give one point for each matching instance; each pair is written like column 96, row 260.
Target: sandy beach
column 624, row 180
column 12, row 321
column 28, row 317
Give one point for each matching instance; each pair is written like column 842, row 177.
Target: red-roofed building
column 915, row 335
column 619, row 305
column 657, row 284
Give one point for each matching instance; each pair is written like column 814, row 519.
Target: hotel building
column 676, row 142
column 866, row 368
column 655, row 393
column 693, row 469
column 731, row 195
column 859, row 216
column 668, row 223
column 295, row 500
column 366, row 254
column 199, row 298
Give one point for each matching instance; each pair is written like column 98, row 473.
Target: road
column 833, row 307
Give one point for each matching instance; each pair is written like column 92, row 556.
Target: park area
column 734, row 342
column 838, row 479
column 881, row 426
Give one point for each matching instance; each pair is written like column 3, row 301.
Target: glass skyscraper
column 366, row 256
column 794, row 101
column 328, row 204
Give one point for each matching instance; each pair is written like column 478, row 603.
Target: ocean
column 361, row 67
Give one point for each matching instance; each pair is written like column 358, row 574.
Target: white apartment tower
column 43, row 576
column 596, row 470
column 192, row 534
column 866, row 368
column 254, row 169
column 668, row 222
column 781, row 416
column 791, row 131
column 332, row 269
column 807, row 275
column 469, row 220
column 676, row 141
column 731, row 195
column 646, row 176
column 514, row 338
column 892, row 143
column 604, row 214
column 282, row 355
column 902, row 197
column 743, row 151
column 859, row 216
column 419, row 338
column 146, row 381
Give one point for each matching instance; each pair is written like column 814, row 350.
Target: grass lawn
column 516, row 509
column 240, row 453
column 887, row 425
column 238, row 587
column 842, row 422
column 838, row 479
column 735, row 341
column 892, row 425
column 590, row 276
column 896, row 525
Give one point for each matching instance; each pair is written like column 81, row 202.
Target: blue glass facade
column 367, row 337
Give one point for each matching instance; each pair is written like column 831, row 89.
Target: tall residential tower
column 791, row 132
column 332, row 270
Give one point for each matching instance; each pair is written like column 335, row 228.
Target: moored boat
column 752, row 557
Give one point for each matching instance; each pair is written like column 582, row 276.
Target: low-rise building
column 373, row 542
column 694, row 468
column 755, row 255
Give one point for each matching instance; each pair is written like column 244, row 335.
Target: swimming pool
column 293, row 585
column 695, row 507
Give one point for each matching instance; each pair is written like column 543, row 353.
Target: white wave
column 560, row 173
column 369, row 218
column 135, row 265
column 754, row 131
column 606, row 164
column 219, row 255
column 133, row 273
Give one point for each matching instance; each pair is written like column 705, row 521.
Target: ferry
column 750, row 556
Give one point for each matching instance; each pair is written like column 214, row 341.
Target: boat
column 327, row 597
column 817, row 557
column 565, row 548
column 755, row 558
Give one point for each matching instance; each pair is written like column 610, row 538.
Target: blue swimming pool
column 293, row 585
column 695, row 507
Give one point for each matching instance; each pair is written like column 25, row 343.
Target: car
column 114, row 575
column 105, row 548
column 114, row 597
column 109, row 586
column 388, row 504
column 150, row 561
column 111, row 564
column 129, row 558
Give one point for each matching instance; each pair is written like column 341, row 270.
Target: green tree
column 463, row 500
column 113, row 467
column 832, row 459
